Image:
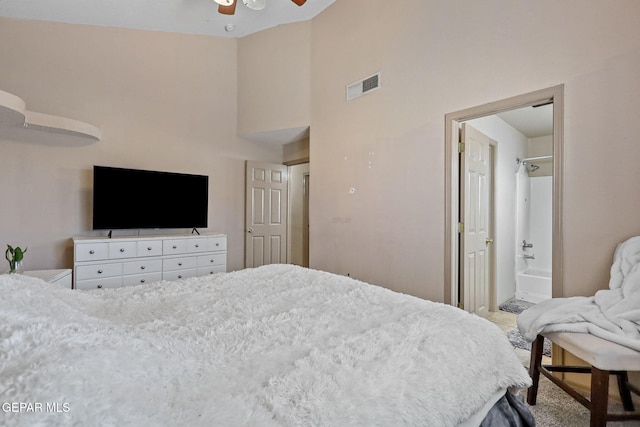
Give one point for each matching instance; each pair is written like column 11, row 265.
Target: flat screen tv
column 137, row 199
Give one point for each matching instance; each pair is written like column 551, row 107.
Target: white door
column 475, row 210
column 266, row 214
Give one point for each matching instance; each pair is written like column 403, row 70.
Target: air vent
column 361, row 87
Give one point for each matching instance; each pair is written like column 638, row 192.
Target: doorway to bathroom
column 513, row 248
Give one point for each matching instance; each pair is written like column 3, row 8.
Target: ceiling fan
column 228, row 7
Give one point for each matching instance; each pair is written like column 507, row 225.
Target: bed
column 278, row 345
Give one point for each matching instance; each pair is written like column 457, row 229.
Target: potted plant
column 15, row 257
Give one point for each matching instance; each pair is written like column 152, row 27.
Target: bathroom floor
column 507, row 321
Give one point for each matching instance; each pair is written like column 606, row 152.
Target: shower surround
column 533, row 235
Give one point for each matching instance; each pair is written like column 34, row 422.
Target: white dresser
column 127, row 261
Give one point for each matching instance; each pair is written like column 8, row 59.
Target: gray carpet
column 555, row 408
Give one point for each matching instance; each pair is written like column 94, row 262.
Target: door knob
column 250, row 230
column 488, row 240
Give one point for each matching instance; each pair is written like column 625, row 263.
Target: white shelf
column 13, row 113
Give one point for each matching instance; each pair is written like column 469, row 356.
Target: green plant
column 14, row 256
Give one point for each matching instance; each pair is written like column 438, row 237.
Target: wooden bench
column 605, row 358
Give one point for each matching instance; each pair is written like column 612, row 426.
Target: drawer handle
column 121, row 249
column 99, row 286
column 211, row 261
column 149, row 248
column 142, row 267
column 91, row 252
column 211, row 272
column 99, row 271
column 217, row 244
column 179, row 264
column 180, row 277
column 141, row 280
column 197, row 246
column 174, row 247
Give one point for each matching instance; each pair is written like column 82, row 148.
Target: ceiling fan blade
column 299, row 2
column 228, row 10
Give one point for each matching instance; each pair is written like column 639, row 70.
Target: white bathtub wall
column 540, row 221
column 523, row 201
column 534, row 286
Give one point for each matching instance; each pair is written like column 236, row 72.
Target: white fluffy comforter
column 275, row 346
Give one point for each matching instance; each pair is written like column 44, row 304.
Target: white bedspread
column 612, row 314
column 275, row 346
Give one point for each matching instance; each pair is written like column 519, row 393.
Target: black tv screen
column 134, row 198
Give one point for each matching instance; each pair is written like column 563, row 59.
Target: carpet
column 555, row 408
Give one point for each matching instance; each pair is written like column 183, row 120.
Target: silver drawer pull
column 142, row 267
column 99, row 286
column 99, row 271
column 211, row 261
column 91, row 252
column 141, row 280
column 174, row 247
column 121, row 249
column 179, row 264
column 149, row 248
column 180, row 277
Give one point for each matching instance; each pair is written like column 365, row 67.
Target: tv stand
column 126, row 261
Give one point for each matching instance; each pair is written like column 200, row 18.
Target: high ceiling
column 177, row 16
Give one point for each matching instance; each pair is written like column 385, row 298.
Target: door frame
column 554, row 94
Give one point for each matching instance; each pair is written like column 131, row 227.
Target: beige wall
column 296, row 152
column 274, row 79
column 538, row 147
column 438, row 57
column 154, row 98
column 163, row 101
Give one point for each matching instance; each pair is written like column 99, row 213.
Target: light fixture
column 224, row 2
column 255, row 4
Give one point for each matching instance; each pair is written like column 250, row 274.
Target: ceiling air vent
column 361, row 87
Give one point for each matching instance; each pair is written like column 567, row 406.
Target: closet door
column 266, row 214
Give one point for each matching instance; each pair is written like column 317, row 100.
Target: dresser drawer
column 213, row 269
column 124, row 249
column 91, row 251
column 142, row 266
column 179, row 274
column 212, row 259
column 149, row 248
column 140, row 279
column 197, row 245
column 217, row 244
column 107, row 282
column 174, row 246
column 96, row 271
column 179, row 263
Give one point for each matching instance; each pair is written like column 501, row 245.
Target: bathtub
column 533, row 285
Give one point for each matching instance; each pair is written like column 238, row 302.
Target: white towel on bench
column 612, row 314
